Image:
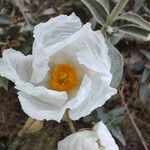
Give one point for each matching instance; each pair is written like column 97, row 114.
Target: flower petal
column 15, row 66
column 43, row 94
column 56, row 29
column 106, row 139
column 95, row 55
column 82, row 94
column 40, row 110
column 46, row 34
column 100, row 93
column 97, row 139
column 85, row 140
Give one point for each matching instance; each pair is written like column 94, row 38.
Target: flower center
column 63, row 78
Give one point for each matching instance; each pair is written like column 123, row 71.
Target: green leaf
column 99, row 9
column 117, row 64
column 134, row 31
column 4, row 83
column 136, row 19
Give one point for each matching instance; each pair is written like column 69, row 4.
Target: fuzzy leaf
column 146, row 54
column 134, row 18
column 115, row 38
column 146, row 74
column 4, row 83
column 138, row 4
column 117, row 65
column 102, row 115
column 99, row 9
column 31, row 126
column 116, row 132
column 134, row 31
column 105, row 4
column 116, row 112
column 5, row 20
column 144, row 92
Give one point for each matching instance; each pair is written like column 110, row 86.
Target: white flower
column 97, row 139
column 69, row 69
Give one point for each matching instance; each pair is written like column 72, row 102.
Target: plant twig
column 132, row 120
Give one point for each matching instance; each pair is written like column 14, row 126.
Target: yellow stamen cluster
column 63, row 78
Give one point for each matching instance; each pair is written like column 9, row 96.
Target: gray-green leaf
column 116, row 132
column 5, row 20
column 134, row 18
column 117, row 64
column 99, row 9
column 134, row 31
column 4, row 83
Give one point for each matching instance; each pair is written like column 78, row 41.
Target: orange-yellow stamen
column 63, row 78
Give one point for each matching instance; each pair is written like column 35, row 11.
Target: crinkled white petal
column 56, row 29
column 40, row 110
column 43, row 94
column 106, row 139
column 46, row 34
column 85, row 140
column 99, row 94
column 97, row 139
column 82, row 94
column 94, row 56
column 15, row 66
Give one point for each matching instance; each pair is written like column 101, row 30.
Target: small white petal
column 15, row 66
column 97, row 139
column 106, row 139
column 40, row 110
column 85, row 140
column 46, row 34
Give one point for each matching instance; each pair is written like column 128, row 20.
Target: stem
column 69, row 121
column 116, row 11
column 133, row 121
